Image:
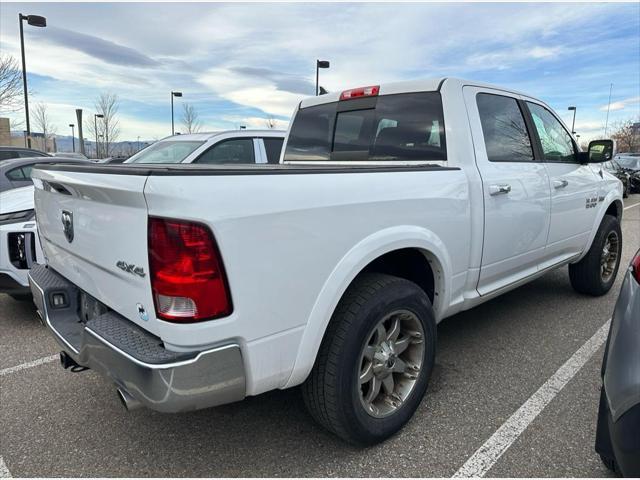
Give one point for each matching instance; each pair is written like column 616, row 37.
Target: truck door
column 515, row 188
column 574, row 187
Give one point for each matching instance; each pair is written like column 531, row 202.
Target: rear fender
column 361, row 255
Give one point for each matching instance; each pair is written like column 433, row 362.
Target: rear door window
column 400, row 127
column 273, row 147
column 505, row 133
column 233, row 151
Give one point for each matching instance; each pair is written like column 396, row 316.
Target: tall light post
column 35, row 21
column 573, row 124
column 73, row 136
column 95, row 125
column 320, row 64
column 173, row 94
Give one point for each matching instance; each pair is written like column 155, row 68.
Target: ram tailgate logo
column 67, row 225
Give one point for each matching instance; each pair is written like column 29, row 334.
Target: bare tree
column 10, row 84
column 190, row 119
column 626, row 136
column 16, row 124
column 271, row 122
column 108, row 127
column 42, row 122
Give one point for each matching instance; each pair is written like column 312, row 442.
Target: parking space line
column 4, row 471
column 35, row 363
column 488, row 454
column 631, row 206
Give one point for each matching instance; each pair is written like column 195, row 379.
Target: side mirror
column 600, row 151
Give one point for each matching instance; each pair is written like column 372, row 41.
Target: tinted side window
column 7, row 154
column 556, row 142
column 234, row 151
column 273, row 146
column 505, row 133
column 16, row 174
column 31, row 153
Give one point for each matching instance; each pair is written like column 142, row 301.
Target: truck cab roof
column 423, row 85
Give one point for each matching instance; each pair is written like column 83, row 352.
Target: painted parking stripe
column 4, row 471
column 23, row 366
column 488, row 454
column 631, row 206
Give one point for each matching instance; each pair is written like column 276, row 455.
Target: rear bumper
column 132, row 358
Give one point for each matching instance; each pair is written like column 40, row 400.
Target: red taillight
column 635, row 266
column 360, row 92
column 187, row 275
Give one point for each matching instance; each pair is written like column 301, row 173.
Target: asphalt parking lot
column 490, row 361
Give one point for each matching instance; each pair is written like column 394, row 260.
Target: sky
column 239, row 64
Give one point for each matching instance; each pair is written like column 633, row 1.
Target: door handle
column 499, row 189
column 560, row 183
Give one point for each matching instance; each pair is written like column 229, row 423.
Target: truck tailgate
column 93, row 229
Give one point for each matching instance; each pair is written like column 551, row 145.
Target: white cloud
column 621, row 104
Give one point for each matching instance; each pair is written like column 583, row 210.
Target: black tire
column 610, row 463
column 331, row 393
column 586, row 275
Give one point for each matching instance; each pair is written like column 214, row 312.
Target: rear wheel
column 375, row 360
column 596, row 272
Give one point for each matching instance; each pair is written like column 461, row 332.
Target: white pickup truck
column 394, row 207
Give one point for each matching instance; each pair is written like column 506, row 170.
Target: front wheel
column 375, row 360
column 596, row 272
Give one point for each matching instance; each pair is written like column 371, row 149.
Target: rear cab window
column 398, row 127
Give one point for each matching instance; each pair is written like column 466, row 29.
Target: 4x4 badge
column 67, row 225
column 130, row 268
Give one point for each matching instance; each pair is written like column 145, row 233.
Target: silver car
column 16, row 172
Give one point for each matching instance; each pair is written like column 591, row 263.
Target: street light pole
column 573, row 125
column 320, row 64
column 73, row 136
column 173, row 94
column 36, row 21
column 95, row 125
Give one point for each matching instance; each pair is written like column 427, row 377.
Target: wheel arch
column 390, row 251
column 612, row 205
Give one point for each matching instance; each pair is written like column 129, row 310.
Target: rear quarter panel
column 291, row 243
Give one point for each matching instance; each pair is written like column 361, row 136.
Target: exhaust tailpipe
column 127, row 400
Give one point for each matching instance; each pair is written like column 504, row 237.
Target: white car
column 393, row 208
column 19, row 243
column 228, row 147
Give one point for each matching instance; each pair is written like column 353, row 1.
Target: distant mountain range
column 64, row 143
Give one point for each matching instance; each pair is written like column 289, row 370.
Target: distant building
column 7, row 139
